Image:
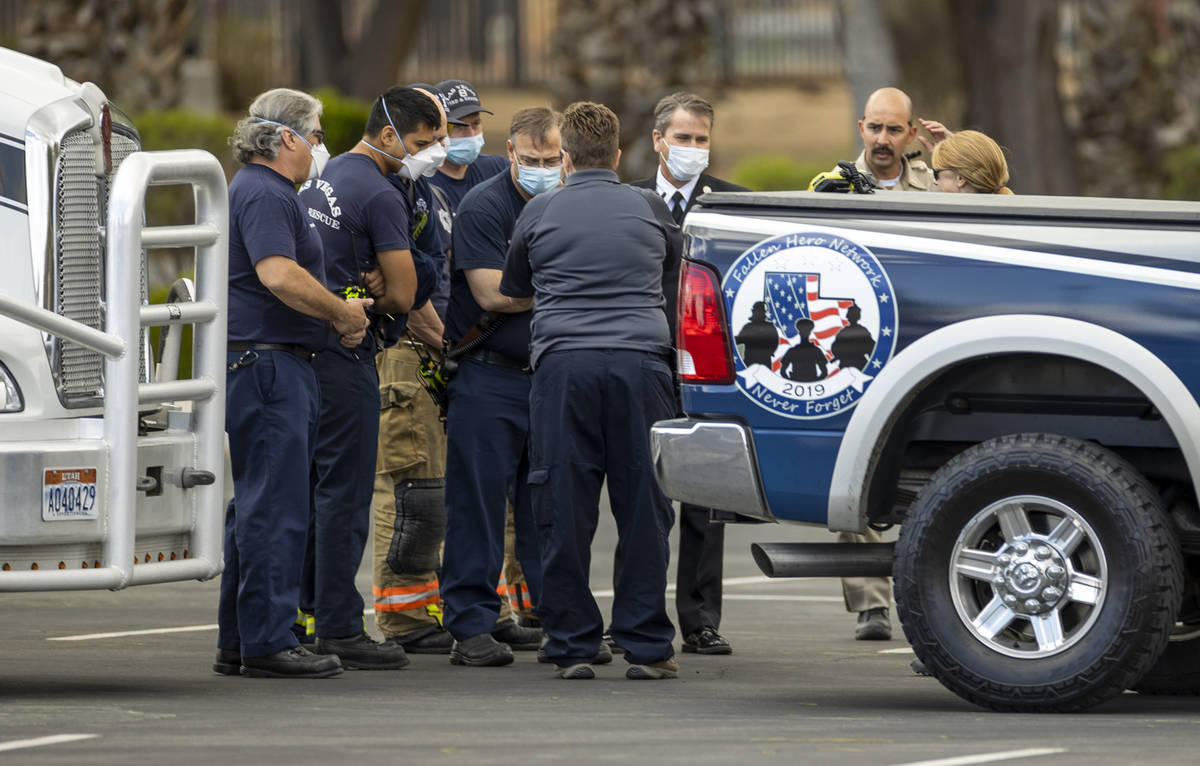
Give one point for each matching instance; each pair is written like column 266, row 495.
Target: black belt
column 294, row 350
column 498, row 359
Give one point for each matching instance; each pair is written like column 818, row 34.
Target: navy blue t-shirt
column 453, row 190
column 358, row 215
column 482, row 228
column 484, row 167
column 265, row 219
column 427, row 248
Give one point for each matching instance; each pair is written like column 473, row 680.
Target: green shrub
column 772, row 172
column 181, row 129
column 1183, row 174
column 343, row 119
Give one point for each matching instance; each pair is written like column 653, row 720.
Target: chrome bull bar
column 125, row 316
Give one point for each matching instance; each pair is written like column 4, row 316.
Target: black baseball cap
column 439, row 95
column 461, row 99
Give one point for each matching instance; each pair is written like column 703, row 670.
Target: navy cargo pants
column 271, row 408
column 591, row 412
column 487, row 431
column 343, row 484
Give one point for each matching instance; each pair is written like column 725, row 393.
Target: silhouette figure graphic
column 853, row 344
column 758, row 336
column 804, row 362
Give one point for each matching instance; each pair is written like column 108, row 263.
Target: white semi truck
column 110, row 474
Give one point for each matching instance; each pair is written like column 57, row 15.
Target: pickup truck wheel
column 1037, row 573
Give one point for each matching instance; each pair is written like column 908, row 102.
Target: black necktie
column 677, row 205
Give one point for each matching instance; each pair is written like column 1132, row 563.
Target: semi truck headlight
column 10, row 393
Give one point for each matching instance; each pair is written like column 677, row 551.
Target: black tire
column 1178, row 669
column 998, row 630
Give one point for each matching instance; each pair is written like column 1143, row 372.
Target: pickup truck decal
column 816, row 320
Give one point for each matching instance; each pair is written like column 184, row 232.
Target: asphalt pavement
column 797, row 689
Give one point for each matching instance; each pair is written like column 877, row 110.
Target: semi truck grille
column 80, row 212
column 79, row 273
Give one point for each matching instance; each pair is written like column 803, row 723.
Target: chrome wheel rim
column 1028, row 576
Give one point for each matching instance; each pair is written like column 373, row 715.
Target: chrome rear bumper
column 708, row 463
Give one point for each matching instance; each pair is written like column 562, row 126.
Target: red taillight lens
column 702, row 340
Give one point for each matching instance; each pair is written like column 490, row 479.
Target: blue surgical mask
column 538, row 180
column 464, row 150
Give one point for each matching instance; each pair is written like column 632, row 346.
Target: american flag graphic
column 789, row 297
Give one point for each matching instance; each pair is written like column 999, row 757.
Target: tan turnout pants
column 863, row 593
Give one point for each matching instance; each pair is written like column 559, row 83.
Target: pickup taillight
column 702, row 338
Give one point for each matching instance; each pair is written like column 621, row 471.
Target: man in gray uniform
column 596, row 256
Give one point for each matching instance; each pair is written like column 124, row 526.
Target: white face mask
column 320, row 158
column 319, row 154
column 429, row 159
column 423, row 163
column 685, row 162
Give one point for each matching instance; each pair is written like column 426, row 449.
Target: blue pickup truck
column 1012, row 381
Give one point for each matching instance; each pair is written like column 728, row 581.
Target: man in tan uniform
column 887, row 128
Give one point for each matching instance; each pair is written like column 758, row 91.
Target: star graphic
column 729, row 292
column 886, row 332
column 883, row 298
column 876, row 363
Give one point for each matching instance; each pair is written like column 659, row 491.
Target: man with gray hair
column 682, row 137
column 280, row 315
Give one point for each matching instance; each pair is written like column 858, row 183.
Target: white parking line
column 773, row 597
column 56, row 739
column 729, row 581
column 901, row 650
column 124, row 633
column 1005, row 755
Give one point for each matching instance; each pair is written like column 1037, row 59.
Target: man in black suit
column 682, row 126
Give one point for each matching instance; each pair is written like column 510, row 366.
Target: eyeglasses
column 938, row 171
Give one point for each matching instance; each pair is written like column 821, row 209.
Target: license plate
column 69, row 494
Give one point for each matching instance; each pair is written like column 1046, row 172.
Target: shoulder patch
column 815, row 319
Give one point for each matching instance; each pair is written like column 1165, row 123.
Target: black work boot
column 518, row 638
column 362, row 652
column 432, row 641
column 480, row 651
column 296, row 662
column 229, row 663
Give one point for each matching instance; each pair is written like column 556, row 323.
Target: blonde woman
column 969, row 161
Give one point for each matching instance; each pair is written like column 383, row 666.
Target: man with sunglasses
column 362, row 219
column 488, row 422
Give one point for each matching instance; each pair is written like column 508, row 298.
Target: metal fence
column 508, row 42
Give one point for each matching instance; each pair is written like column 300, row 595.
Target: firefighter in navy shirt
column 488, row 422
column 279, row 316
column 410, row 465
column 464, row 167
column 601, row 260
column 361, row 219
